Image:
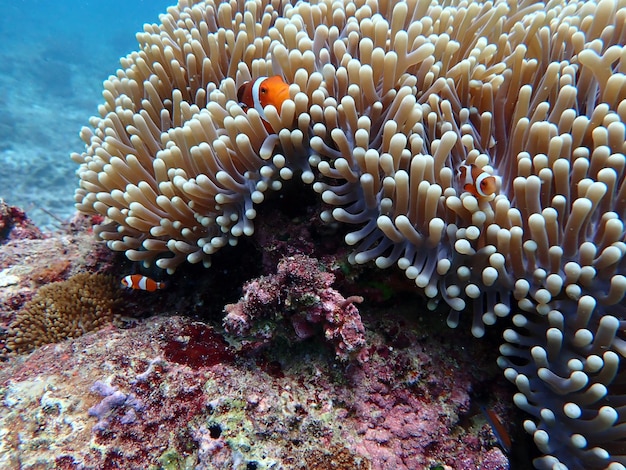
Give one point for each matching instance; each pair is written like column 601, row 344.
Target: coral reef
column 388, row 101
column 69, row 405
column 171, row 392
column 64, row 309
column 297, row 303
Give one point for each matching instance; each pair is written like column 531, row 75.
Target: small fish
column 138, row 281
column 477, row 182
column 262, row 92
column 498, row 428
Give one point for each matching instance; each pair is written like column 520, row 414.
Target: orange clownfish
column 479, row 183
column 262, row 92
column 137, row 281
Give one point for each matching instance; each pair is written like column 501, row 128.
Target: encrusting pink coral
column 297, row 302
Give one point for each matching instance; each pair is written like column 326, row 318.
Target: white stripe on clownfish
column 256, row 98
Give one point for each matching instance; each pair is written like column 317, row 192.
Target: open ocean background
column 54, row 56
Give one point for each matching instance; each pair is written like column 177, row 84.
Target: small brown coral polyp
column 62, row 310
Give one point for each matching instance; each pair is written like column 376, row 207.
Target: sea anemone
column 388, row 101
column 66, row 309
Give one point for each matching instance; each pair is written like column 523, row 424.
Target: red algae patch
column 197, row 345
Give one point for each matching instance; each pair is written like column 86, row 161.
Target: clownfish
column 479, row 183
column 262, row 92
column 138, row 281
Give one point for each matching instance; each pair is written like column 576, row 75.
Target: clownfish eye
column 488, row 185
column 263, row 89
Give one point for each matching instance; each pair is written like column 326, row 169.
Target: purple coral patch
column 114, row 401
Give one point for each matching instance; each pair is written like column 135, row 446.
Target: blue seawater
column 54, row 56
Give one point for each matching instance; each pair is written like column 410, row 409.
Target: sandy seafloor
column 54, row 56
